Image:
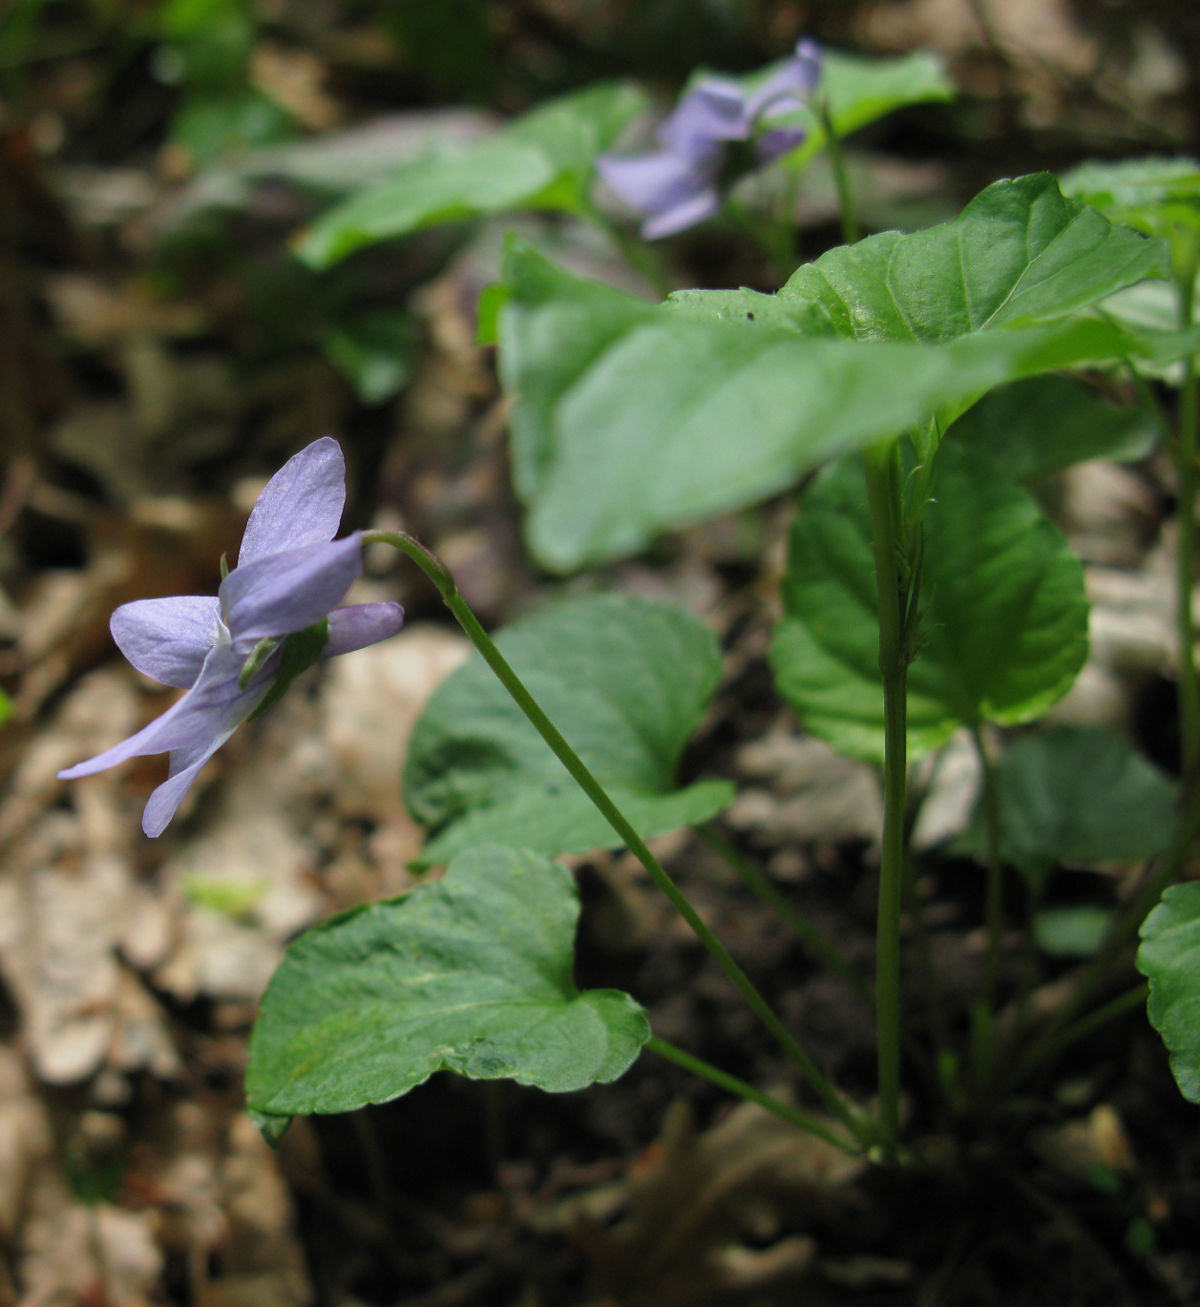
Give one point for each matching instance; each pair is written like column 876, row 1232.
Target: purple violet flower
column 274, row 615
column 680, row 185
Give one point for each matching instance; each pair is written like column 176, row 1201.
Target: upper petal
column 212, row 707
column 168, row 638
column 791, row 86
column 714, row 110
column 300, row 505
column 285, row 592
column 360, row 625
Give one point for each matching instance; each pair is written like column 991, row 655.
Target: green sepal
column 298, row 652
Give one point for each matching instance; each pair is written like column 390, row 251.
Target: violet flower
column 275, row 614
column 680, row 185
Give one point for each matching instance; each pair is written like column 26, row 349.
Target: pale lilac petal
column 193, row 719
column 773, row 144
column 360, row 625
column 713, row 110
column 169, row 638
column 790, row 87
column 287, row 592
column 687, row 213
column 163, row 803
column 300, row 505
column 650, row 183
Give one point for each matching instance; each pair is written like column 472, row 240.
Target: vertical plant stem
column 706, row 1071
column 883, row 494
column 841, row 177
column 1185, row 552
column 984, row 1010
column 440, row 575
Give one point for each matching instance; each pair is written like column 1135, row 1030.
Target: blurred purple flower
column 230, row 652
column 680, row 185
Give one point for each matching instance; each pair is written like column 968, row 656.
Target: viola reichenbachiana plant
column 922, row 383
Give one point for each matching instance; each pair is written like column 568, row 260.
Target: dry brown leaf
column 711, row 1217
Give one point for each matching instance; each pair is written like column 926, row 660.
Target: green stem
column 883, row 494
column 779, row 904
column 635, row 251
column 441, row 577
column 723, row 1080
column 1185, row 551
column 983, row 1014
column 841, row 177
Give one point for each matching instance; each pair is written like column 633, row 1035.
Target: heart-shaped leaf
column 1020, row 252
column 630, row 420
column 1074, row 794
column 541, row 160
column 470, row 974
column 625, row 681
column 1004, row 627
column 1169, row 958
column 1033, row 428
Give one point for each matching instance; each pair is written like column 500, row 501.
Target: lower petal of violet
column 687, row 213
column 212, row 707
column 653, row 183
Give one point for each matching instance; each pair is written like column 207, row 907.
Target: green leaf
column 630, row 420
column 470, row 974
column 861, row 91
column 541, row 160
column 1004, row 627
column 1169, row 958
column 1033, row 428
column 1020, row 252
column 1156, row 195
column 625, row 681
column 1077, row 794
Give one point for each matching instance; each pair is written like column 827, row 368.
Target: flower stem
column 983, row 1012
column 1185, row 548
column 894, row 598
column 804, row 929
column 841, row 176
column 723, row 1080
column 440, row 575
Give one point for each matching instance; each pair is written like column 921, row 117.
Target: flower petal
column 654, row 183
column 790, row 87
column 168, row 638
column 202, row 713
column 300, row 505
column 776, row 142
column 713, row 110
column 286, row 592
column 164, row 802
column 689, row 211
column 360, row 625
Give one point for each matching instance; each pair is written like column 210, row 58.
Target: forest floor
column 146, row 395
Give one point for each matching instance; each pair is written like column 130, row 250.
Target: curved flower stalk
column 274, row 614
column 680, row 185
